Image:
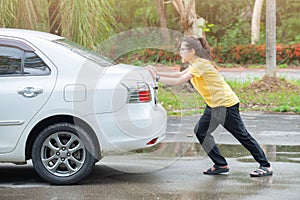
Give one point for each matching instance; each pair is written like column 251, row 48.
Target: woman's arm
column 169, row 74
column 172, row 74
column 183, row 78
column 172, row 78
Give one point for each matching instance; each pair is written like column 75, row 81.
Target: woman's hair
column 200, row 46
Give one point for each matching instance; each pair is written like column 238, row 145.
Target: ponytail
column 205, row 45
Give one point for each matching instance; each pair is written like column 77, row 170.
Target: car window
column 10, row 61
column 87, row 53
column 14, row 61
column 34, row 65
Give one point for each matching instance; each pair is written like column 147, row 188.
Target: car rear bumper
column 134, row 126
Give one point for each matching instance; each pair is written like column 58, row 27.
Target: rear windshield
column 87, row 53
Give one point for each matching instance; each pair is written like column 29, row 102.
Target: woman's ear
column 193, row 51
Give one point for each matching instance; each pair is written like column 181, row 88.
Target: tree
column 54, row 17
column 188, row 17
column 271, row 38
column 26, row 14
column 87, row 22
column 255, row 22
column 161, row 10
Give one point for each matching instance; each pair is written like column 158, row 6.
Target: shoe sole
column 216, row 172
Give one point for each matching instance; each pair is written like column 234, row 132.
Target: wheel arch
column 61, row 119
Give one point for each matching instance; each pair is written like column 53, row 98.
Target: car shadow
column 18, row 175
column 25, row 175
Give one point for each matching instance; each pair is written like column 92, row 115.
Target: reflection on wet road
column 275, row 153
column 173, row 169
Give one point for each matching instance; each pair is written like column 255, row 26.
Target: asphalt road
column 269, row 129
column 173, row 170
column 182, row 179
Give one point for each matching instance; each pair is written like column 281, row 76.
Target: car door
column 26, row 82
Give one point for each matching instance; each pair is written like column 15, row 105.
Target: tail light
column 153, row 141
column 138, row 92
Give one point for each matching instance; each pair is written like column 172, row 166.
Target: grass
column 178, row 103
column 181, row 102
column 280, row 101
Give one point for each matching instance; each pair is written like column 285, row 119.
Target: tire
column 61, row 154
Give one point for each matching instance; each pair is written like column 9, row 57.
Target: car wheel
column 60, row 154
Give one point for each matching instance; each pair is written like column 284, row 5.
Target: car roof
column 23, row 33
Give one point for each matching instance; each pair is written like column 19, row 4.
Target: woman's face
column 185, row 53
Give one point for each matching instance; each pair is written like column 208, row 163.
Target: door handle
column 30, row 92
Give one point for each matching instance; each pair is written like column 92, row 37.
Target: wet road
column 269, row 129
column 173, row 169
column 181, row 179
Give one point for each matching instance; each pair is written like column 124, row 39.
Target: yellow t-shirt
column 211, row 85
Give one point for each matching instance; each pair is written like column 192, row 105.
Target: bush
column 250, row 54
column 240, row 54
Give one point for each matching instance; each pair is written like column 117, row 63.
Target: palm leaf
column 87, row 22
column 7, row 12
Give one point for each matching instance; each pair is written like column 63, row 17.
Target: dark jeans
column 231, row 120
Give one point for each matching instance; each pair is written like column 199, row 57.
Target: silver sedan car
column 66, row 107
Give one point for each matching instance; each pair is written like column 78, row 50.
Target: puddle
column 275, row 153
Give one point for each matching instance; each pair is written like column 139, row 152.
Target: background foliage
column 245, row 55
column 230, row 35
column 250, row 54
column 89, row 22
column 231, row 19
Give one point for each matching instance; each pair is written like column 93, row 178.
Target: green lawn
column 178, row 101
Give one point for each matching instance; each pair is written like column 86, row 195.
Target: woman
column 222, row 105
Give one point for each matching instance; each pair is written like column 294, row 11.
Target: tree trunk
column 54, row 17
column 161, row 10
column 271, row 38
column 255, row 23
column 188, row 16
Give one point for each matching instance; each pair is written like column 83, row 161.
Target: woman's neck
column 193, row 59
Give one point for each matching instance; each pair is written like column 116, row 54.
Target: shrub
column 250, row 54
column 241, row 54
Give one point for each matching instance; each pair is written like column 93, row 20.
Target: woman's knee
column 200, row 132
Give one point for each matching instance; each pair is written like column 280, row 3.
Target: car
column 65, row 107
